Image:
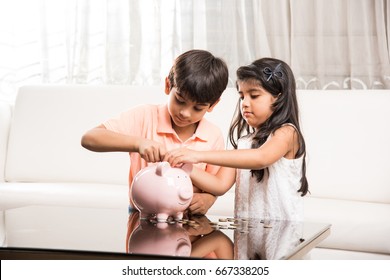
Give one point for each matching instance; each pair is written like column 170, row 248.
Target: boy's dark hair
column 276, row 77
column 199, row 75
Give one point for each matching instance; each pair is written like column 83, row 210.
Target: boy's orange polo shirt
column 154, row 122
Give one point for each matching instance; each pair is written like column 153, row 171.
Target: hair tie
column 277, row 72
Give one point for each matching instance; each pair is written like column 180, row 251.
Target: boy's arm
column 100, row 139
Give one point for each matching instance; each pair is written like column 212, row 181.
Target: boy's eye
column 179, row 101
column 198, row 109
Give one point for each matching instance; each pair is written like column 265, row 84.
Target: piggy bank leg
column 162, row 217
column 179, row 216
column 162, row 225
column 144, row 216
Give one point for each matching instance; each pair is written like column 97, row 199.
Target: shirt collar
column 165, row 126
column 164, row 120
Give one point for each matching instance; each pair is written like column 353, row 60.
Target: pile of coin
column 240, row 224
column 191, row 223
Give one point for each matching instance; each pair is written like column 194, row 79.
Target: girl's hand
column 182, row 155
column 151, row 151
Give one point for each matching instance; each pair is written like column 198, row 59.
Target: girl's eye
column 198, row 109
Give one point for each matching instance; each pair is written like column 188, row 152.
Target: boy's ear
column 167, row 86
column 212, row 106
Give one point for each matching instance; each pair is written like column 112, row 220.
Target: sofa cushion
column 347, row 138
column 14, row 195
column 224, row 205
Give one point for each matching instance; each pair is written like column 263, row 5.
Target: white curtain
column 333, row 44
column 341, row 44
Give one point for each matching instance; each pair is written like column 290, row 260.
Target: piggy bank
column 149, row 238
column 162, row 190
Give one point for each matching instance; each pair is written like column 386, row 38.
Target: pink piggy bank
column 171, row 240
column 162, row 190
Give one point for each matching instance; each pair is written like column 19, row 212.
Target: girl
column 268, row 162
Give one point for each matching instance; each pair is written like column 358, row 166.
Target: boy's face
column 184, row 112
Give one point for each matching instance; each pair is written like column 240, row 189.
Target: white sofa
column 348, row 146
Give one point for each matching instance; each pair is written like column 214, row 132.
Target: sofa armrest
column 5, row 119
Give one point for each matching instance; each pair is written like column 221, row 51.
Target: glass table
column 51, row 232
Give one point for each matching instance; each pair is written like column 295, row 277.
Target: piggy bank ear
column 162, row 167
column 187, row 167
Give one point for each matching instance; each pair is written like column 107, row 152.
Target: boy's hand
column 151, row 151
column 201, row 203
column 203, row 226
column 180, row 156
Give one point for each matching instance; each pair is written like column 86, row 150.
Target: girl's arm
column 215, row 184
column 282, row 143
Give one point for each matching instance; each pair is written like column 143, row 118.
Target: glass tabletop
column 115, row 233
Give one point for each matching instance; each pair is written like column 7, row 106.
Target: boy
column 194, row 85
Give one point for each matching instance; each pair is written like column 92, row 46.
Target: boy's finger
column 156, row 155
column 162, row 154
column 149, row 157
column 171, row 159
column 145, row 157
column 165, row 157
column 153, row 155
column 175, row 162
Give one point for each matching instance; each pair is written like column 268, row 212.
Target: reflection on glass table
column 223, row 238
column 267, row 240
column 45, row 232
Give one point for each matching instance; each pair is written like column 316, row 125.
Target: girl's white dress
column 276, row 197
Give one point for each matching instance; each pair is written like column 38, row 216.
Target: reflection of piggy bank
column 171, row 240
column 162, row 190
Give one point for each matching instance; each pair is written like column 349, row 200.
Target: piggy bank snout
column 185, row 192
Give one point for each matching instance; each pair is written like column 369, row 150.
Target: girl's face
column 255, row 102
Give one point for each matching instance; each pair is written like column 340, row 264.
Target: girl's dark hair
column 199, row 75
column 276, row 77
